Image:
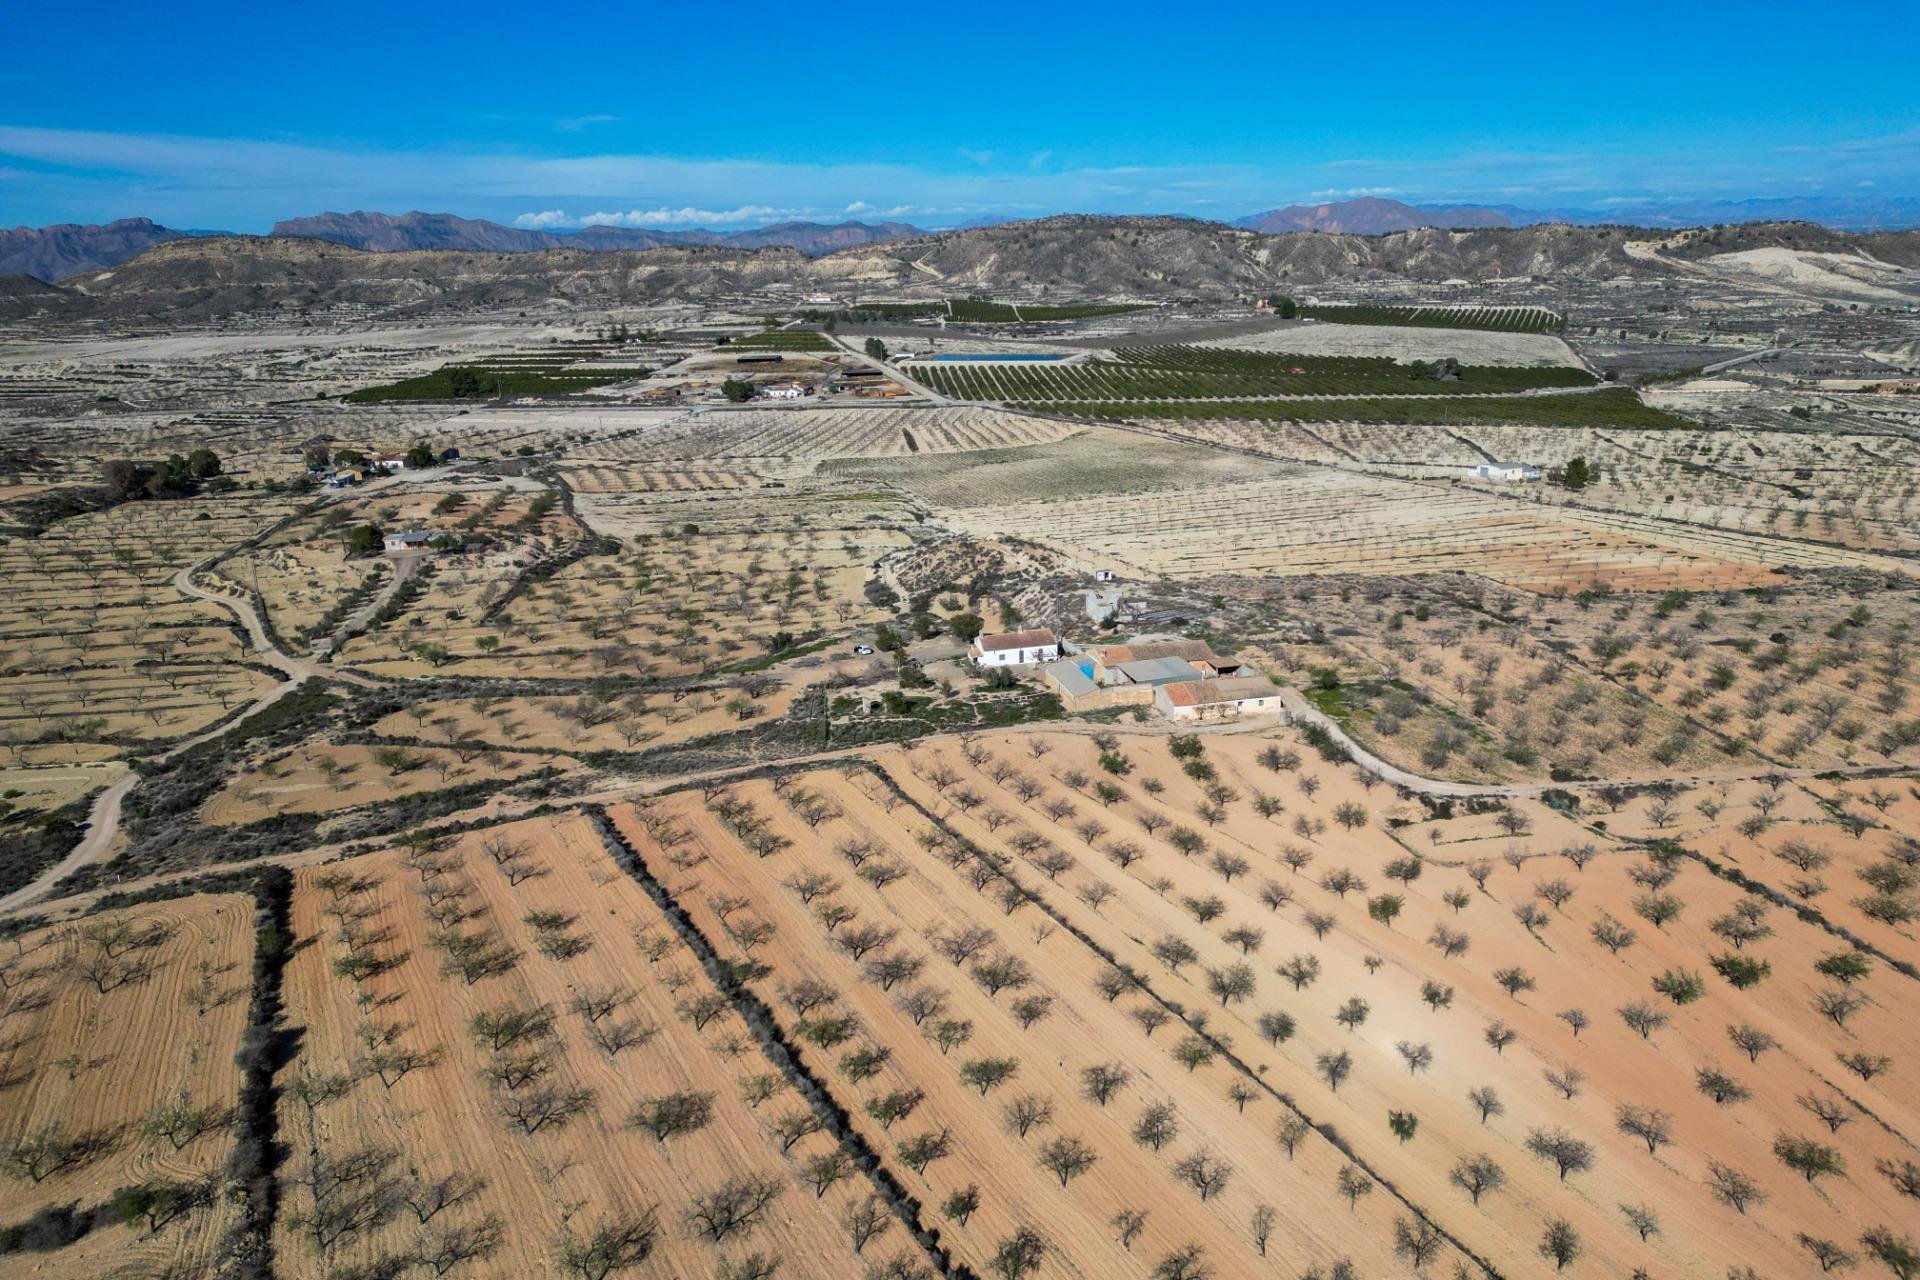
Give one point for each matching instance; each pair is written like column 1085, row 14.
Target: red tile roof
column 1195, row 693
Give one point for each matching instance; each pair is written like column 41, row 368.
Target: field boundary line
column 773, row 1045
column 1325, row 1129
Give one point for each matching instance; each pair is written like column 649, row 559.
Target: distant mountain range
column 1373, row 216
column 200, row 279
column 54, row 253
column 390, row 233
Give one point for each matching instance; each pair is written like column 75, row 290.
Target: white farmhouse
column 1014, row 648
column 1224, row 698
column 409, row 540
column 1503, row 472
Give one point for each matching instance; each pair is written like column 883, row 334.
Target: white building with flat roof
column 1503, row 472
column 1014, row 648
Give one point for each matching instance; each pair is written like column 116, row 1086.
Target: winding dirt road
column 103, row 824
column 103, row 819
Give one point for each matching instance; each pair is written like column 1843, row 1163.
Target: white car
column 863, row 650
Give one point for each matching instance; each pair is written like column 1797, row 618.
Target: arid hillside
column 1074, row 257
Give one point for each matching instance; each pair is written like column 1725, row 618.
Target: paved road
column 1728, row 364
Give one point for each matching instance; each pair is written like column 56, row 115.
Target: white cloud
column 861, row 209
column 245, row 184
column 686, row 217
column 578, row 124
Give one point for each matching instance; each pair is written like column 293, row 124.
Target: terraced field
column 1318, row 522
column 1096, row 461
column 101, row 651
column 778, row 443
column 1496, row 319
column 1609, row 407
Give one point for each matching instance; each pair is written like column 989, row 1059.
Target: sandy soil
column 297, row 782
column 443, row 1117
column 1568, row 969
column 97, row 1064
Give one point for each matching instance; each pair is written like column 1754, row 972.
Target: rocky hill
column 1373, row 216
column 1898, row 248
column 1066, row 258
column 22, row 297
column 53, row 253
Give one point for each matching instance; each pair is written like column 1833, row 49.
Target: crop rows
column 555, row 370
column 785, row 340
column 973, row 310
column 1346, row 523
column 1004, row 312
column 1190, row 373
column 1498, row 319
column 1613, row 407
column 510, row 380
column 737, row 437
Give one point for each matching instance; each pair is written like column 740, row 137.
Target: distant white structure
column 409, row 540
column 784, row 391
column 1503, row 472
column 1014, row 648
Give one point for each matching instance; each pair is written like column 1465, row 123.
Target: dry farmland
column 637, row 879
column 683, row 603
column 117, row 1071
column 1501, row 686
column 104, row 653
column 969, row 923
column 533, row 1063
column 1320, row 522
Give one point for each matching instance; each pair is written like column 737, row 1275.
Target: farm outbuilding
column 1153, row 672
column 1014, row 648
column 1115, row 663
column 1504, row 472
column 1071, row 680
column 1226, row 698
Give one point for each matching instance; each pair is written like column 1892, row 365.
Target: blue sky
column 231, row 116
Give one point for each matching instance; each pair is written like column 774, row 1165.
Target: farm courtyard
column 517, row 797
